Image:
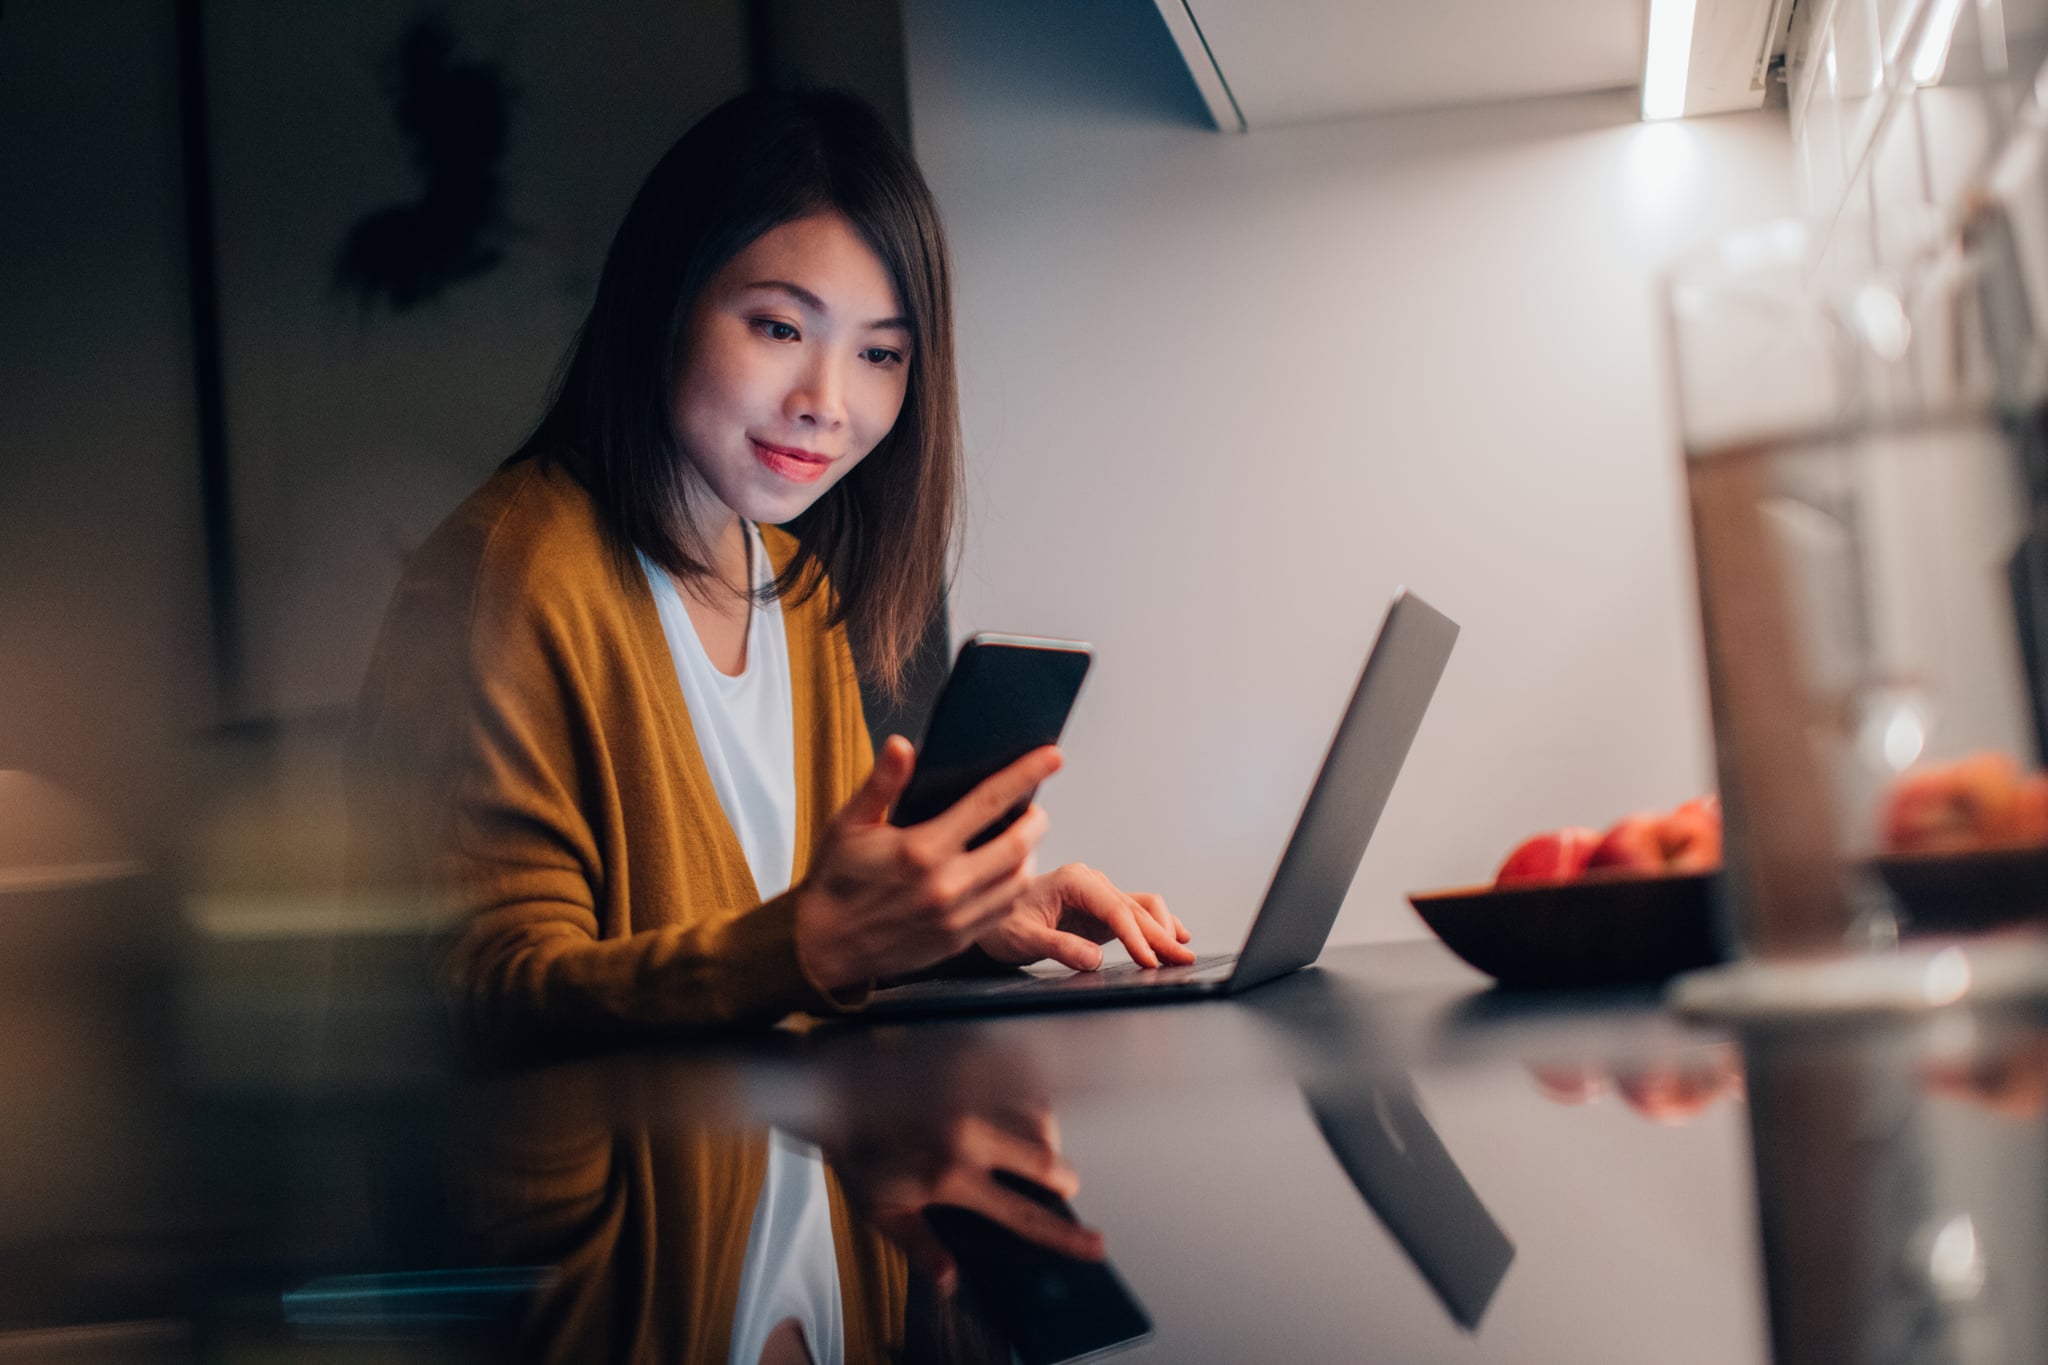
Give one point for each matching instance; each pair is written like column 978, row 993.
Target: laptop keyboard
column 1116, row 969
column 1120, row 975
column 1129, row 975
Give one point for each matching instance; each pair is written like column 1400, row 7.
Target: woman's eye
column 881, row 355
column 775, row 329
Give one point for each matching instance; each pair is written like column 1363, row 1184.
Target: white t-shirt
column 746, row 731
column 744, row 725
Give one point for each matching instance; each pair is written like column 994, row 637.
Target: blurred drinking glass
column 1864, row 461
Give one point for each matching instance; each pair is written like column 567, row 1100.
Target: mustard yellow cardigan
column 521, row 754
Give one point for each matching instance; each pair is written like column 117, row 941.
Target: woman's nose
column 818, row 398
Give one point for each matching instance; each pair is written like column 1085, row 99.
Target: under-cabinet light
column 1669, row 56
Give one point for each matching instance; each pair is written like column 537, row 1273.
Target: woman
column 612, row 717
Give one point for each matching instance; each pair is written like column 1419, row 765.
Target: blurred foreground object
column 1900, row 1193
column 86, row 1167
column 1858, row 454
column 49, row 840
column 74, row 901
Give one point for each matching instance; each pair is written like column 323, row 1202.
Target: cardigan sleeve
column 486, row 750
column 527, row 866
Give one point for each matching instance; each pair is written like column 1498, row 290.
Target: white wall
column 1223, row 394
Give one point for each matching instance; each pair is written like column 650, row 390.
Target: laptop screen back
column 1344, row 806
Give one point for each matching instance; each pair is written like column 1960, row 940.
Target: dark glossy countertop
column 1378, row 1159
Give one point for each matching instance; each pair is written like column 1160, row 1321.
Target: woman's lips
column 798, row 466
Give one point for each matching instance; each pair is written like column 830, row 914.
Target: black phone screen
column 1051, row 1308
column 1005, row 697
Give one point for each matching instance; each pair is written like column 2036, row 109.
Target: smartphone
column 1052, row 1309
column 1006, row 695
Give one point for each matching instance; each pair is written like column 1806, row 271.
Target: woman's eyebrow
column 817, row 305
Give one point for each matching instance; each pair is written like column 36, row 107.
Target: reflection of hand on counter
column 933, row 1126
column 892, row 1173
column 1672, row 1088
column 956, row 1123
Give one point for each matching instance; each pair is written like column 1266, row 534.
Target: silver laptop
column 1314, row 874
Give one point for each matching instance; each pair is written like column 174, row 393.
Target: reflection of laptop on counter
column 1401, row 1168
column 1314, row 874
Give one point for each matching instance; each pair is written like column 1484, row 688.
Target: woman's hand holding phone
column 882, row 901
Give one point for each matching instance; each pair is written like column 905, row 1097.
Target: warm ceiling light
column 1670, row 53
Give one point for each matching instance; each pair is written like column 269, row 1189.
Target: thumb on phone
column 893, row 766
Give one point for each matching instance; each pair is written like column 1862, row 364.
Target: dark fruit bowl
column 1987, row 888
column 1609, row 929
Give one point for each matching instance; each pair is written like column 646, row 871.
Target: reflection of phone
column 1051, row 1308
column 1006, row 695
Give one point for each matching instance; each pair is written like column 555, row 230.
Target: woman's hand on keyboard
column 1064, row 915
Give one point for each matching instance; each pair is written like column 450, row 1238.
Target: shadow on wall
column 1100, row 56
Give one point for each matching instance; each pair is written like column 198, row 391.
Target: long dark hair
column 883, row 533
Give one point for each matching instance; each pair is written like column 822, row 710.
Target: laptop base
column 1123, row 984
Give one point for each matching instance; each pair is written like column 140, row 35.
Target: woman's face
column 797, row 356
